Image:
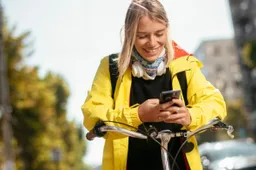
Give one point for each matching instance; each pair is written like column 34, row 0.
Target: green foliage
column 237, row 118
column 39, row 114
column 249, row 53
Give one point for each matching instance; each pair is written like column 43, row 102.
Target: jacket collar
column 183, row 64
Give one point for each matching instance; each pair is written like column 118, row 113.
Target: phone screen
column 166, row 96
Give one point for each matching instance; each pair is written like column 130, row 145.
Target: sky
column 71, row 37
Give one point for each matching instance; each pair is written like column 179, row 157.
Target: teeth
column 151, row 51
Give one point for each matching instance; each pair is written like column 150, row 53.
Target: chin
column 151, row 58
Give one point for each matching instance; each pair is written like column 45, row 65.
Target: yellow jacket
column 205, row 103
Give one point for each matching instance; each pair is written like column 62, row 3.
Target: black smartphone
column 166, row 96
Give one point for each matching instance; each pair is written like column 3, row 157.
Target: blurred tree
column 44, row 138
column 238, row 118
column 243, row 17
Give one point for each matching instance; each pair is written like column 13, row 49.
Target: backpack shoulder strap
column 183, row 84
column 113, row 70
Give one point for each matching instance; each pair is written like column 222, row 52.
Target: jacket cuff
column 195, row 117
column 134, row 117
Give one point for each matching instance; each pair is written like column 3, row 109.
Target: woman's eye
column 159, row 35
column 141, row 37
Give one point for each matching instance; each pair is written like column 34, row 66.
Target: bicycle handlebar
column 165, row 136
column 215, row 123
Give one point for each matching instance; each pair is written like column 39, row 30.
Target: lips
column 151, row 51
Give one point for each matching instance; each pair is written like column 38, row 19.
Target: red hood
column 178, row 51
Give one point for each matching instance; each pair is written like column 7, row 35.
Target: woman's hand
column 149, row 111
column 175, row 112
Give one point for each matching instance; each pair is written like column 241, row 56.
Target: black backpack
column 113, row 70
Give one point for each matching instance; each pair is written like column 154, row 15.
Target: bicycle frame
column 164, row 135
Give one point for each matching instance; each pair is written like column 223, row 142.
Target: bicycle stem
column 165, row 138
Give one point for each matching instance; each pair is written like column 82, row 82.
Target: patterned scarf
column 150, row 68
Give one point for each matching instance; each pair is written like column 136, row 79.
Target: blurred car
column 228, row 155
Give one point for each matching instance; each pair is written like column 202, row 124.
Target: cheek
column 139, row 44
column 163, row 40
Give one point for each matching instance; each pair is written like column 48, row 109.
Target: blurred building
column 221, row 66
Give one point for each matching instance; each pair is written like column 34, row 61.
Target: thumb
column 154, row 101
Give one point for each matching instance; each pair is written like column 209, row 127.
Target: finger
column 173, row 117
column 163, row 115
column 180, row 118
column 175, row 109
column 165, row 105
column 177, row 121
column 171, row 121
column 177, row 102
column 153, row 101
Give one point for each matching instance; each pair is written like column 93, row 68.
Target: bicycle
column 164, row 135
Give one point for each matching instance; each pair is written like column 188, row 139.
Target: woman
column 146, row 67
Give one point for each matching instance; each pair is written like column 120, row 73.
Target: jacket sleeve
column 205, row 101
column 99, row 103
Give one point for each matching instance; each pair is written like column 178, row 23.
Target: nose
column 152, row 41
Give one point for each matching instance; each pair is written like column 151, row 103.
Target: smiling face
column 151, row 38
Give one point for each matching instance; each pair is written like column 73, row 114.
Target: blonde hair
column 137, row 9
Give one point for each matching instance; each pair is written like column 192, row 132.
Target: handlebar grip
column 90, row 135
column 96, row 132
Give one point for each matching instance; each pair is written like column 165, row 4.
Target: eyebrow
column 146, row 32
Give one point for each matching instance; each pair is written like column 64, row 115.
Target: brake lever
column 229, row 128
